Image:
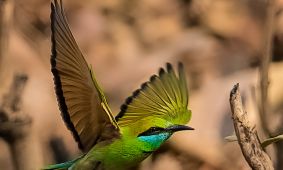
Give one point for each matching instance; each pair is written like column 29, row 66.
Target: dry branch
column 15, row 127
column 264, row 65
column 247, row 135
column 11, row 118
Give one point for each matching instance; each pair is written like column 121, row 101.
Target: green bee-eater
column 146, row 120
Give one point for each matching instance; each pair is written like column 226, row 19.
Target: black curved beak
column 176, row 128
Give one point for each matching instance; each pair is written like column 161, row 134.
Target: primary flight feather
column 146, row 120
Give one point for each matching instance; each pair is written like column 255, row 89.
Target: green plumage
column 162, row 101
column 146, row 120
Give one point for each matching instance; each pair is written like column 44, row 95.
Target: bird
column 152, row 114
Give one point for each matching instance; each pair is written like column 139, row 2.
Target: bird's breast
column 125, row 153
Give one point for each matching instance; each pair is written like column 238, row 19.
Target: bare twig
column 247, row 135
column 269, row 141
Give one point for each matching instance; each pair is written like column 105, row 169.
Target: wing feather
column 161, row 101
column 82, row 102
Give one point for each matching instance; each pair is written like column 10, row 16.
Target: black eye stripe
column 150, row 131
column 155, row 129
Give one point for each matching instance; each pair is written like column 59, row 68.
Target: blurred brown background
column 220, row 43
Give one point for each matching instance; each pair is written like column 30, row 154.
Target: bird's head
column 155, row 136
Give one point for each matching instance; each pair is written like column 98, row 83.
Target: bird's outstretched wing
column 81, row 100
column 161, row 101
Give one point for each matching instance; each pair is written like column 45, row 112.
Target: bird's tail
column 61, row 166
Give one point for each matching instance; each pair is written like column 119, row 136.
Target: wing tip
column 56, row 79
column 144, row 85
column 53, row 42
column 56, row 4
column 129, row 100
column 124, row 106
column 169, row 67
column 161, row 72
column 136, row 93
column 168, row 70
column 153, row 78
column 123, row 110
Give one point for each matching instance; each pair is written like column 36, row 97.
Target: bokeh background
column 220, row 43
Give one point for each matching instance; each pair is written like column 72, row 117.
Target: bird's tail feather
column 61, row 166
